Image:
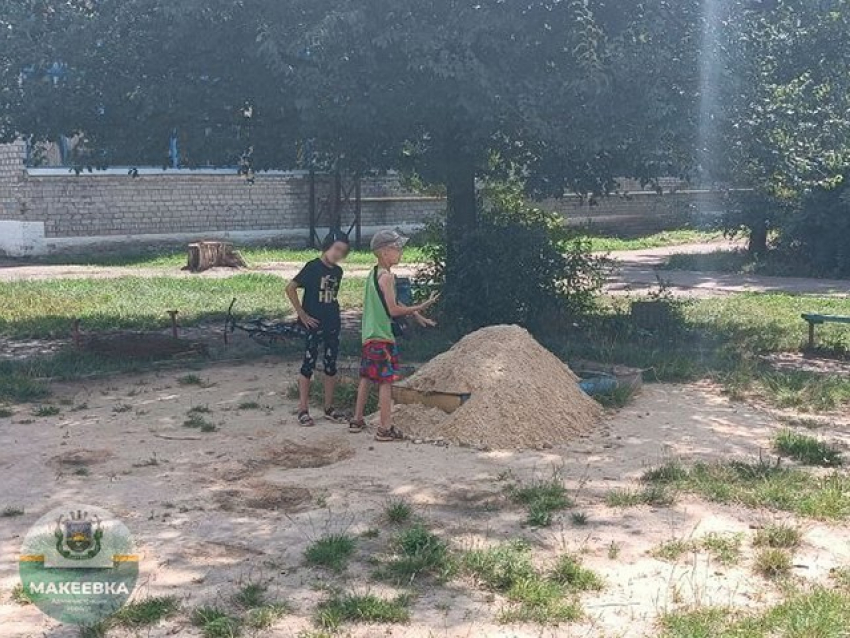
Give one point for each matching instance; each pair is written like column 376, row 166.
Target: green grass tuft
column 653, row 495
column 248, row 405
column 570, row 573
column 331, row 552
column 773, row 563
column 46, row 410
column 806, row 449
column 420, row 552
column 266, row 615
column 250, row 595
column 541, row 499
column 762, row 484
column 342, row 608
column 398, row 512
column 778, row 536
column 196, row 421
column 216, row 623
column 146, row 612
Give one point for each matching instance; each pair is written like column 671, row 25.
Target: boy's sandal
column 305, row 419
column 386, row 436
column 356, row 427
column 337, row 415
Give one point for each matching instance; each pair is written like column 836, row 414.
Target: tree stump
column 204, row 255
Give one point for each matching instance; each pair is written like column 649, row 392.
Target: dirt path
column 212, row 509
column 637, row 273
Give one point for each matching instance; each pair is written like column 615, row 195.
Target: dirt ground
column 210, row 510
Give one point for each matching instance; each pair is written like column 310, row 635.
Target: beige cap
column 388, row 237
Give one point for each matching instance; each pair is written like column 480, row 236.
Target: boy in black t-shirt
column 318, row 312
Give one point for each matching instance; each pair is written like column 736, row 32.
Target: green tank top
column 377, row 325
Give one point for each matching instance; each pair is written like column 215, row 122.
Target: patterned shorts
column 379, row 362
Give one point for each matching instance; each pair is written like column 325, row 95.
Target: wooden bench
column 817, row 320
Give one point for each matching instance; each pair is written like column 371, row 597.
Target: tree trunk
column 462, row 209
column 211, row 254
column 758, row 240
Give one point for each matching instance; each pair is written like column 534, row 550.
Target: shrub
column 520, row 266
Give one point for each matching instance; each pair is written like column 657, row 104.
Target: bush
column 520, row 266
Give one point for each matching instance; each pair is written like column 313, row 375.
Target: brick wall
column 51, row 210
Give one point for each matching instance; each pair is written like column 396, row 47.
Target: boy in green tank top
column 379, row 358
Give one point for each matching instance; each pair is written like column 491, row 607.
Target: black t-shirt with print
column 321, row 286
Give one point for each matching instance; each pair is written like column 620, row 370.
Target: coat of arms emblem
column 78, row 535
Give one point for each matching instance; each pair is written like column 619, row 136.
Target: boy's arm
column 387, row 283
column 292, row 294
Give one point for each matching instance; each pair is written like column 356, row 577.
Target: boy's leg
column 331, row 353
column 385, row 405
column 308, row 366
column 362, row 397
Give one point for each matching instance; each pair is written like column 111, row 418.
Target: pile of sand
column 522, row 396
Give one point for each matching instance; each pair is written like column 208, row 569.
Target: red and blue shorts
column 379, row 362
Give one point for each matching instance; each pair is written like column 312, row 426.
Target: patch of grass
column 541, row 499
column 190, row 379
column 579, row 519
column 570, row 573
column 662, row 239
column 146, row 612
column 763, row 484
column 45, row 309
column 265, row 616
column 778, row 536
column 18, row 385
column 654, row 495
column 249, row 405
column 82, row 471
column 725, row 548
column 673, row 550
column 46, row 410
column 200, row 409
column 19, row 595
column 532, row 596
column 196, row 421
column 216, row 623
column 124, row 407
column 806, row 449
column 250, row 595
column 538, row 601
column 398, row 512
column 10, row 511
column 772, row 563
column 500, row 567
column 841, row 576
column 5, row 412
column 614, row 550
column 368, row 608
column 420, row 552
column 331, row 552
column 819, row 613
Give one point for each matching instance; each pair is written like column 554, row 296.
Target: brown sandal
column 305, row 419
column 391, row 435
column 356, row 427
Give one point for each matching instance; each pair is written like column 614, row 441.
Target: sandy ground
column 637, row 273
column 211, row 510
